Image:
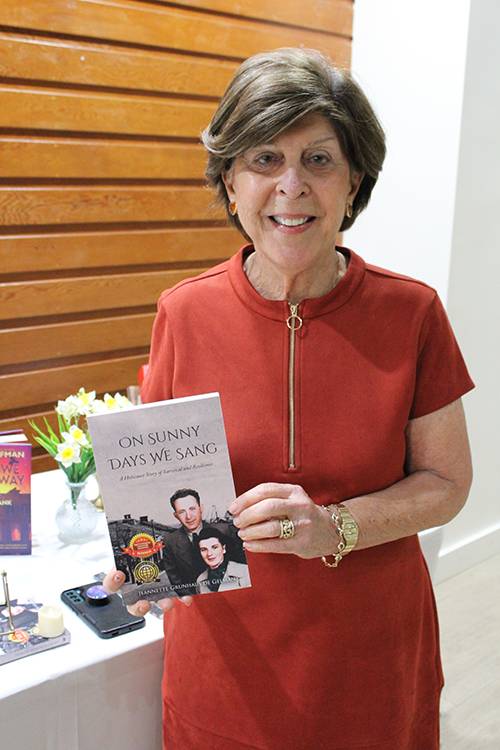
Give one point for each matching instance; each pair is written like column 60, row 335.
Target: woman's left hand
column 259, row 511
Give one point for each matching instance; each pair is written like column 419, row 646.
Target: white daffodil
column 68, row 408
column 74, row 453
column 85, row 402
column 98, row 407
column 75, row 435
column 113, row 403
column 68, row 453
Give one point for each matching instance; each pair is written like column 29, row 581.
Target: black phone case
column 108, row 620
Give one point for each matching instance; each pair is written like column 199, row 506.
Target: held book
column 25, row 640
column 15, row 494
column 166, row 484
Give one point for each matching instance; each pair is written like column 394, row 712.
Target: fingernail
column 233, row 508
column 118, row 577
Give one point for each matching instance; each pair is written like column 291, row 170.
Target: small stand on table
column 7, row 603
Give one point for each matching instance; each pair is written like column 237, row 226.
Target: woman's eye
column 319, row 160
column 265, row 160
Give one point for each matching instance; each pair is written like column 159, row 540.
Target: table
column 91, row 693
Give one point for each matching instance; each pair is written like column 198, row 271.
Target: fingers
column 267, row 504
column 267, row 530
column 259, row 514
column 114, row 581
column 261, row 492
column 260, row 508
column 167, row 605
column 139, row 609
column 274, row 546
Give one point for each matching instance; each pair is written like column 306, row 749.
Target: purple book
column 15, row 494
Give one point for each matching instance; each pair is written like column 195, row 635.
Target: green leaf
column 50, row 442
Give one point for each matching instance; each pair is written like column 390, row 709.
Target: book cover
column 166, row 484
column 15, row 494
column 25, row 640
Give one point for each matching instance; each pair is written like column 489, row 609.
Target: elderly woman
column 340, row 385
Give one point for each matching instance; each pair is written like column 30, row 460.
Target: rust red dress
column 309, row 658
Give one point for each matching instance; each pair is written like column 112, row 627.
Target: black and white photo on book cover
column 166, row 484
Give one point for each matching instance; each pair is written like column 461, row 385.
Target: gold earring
column 233, row 208
column 348, row 211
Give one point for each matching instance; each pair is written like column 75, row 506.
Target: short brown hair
column 271, row 91
column 178, row 494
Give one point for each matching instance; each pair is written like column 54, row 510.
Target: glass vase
column 77, row 517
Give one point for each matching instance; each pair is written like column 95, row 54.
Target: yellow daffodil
column 68, row 453
column 116, row 402
column 75, row 435
column 85, row 402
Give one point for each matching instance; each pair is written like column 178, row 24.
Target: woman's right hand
column 115, row 580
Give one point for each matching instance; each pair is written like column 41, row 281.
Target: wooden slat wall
column 102, row 196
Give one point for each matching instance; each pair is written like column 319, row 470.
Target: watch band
column 346, row 528
column 350, row 529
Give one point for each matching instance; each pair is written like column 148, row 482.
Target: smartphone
column 104, row 613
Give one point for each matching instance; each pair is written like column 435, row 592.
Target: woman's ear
column 356, row 180
column 227, row 178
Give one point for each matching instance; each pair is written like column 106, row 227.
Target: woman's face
column 212, row 551
column 292, row 193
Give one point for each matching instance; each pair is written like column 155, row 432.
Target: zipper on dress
column 294, row 323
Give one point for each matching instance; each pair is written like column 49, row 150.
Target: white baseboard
column 470, row 552
column 431, row 541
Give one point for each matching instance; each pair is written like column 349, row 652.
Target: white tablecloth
column 92, row 693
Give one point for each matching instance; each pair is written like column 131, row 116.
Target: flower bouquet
column 72, row 449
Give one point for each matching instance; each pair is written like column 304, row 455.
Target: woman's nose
column 292, row 183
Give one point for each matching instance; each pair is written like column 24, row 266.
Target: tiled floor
column 469, row 612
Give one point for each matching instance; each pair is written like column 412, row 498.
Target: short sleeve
column 442, row 376
column 157, row 385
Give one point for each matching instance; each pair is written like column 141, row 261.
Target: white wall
column 410, row 60
column 473, row 298
column 433, row 75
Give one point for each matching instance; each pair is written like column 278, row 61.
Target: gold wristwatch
column 350, row 530
column 347, row 529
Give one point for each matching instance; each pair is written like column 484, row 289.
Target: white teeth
column 289, row 222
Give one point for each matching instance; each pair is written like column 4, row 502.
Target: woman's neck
column 276, row 284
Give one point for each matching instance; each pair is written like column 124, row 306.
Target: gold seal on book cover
column 146, row 572
column 142, row 545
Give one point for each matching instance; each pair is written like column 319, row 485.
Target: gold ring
column 287, row 529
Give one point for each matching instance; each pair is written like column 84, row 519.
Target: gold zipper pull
column 294, row 321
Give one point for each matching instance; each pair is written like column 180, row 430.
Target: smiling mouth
column 291, row 222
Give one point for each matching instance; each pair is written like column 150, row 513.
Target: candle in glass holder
column 50, row 621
